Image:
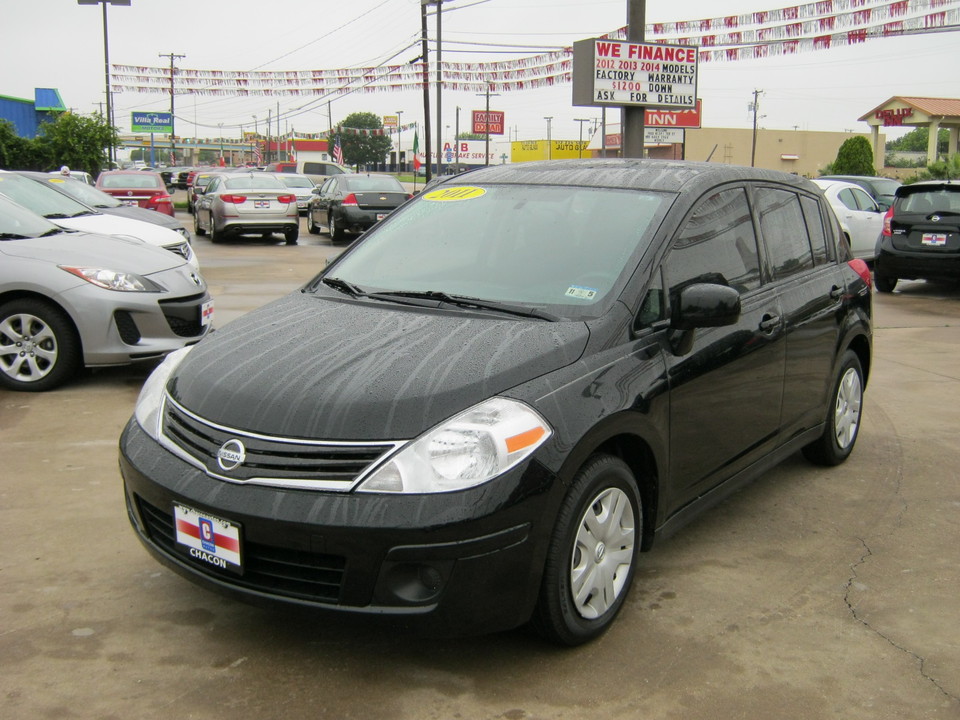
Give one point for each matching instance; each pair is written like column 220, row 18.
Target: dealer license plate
column 934, row 239
column 381, row 216
column 129, row 203
column 206, row 313
column 208, row 539
column 261, row 203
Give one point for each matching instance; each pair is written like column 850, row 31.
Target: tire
column 197, row 230
column 884, row 283
column 842, row 427
column 216, row 236
column 39, row 347
column 312, row 226
column 291, row 235
column 336, row 232
column 593, row 553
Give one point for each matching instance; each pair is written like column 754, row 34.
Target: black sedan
column 353, row 203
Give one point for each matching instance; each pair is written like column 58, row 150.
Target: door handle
column 836, row 293
column 769, row 323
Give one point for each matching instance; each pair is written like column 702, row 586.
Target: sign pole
column 633, row 115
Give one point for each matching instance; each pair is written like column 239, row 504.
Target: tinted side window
column 784, row 231
column 818, row 235
column 717, row 244
column 848, row 199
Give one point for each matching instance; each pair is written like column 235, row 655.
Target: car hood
column 312, row 367
column 113, row 225
column 142, row 215
column 89, row 250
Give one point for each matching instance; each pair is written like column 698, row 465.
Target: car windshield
column 934, row 200
column 883, row 186
column 566, row 250
column 39, row 198
column 17, row 222
column 297, row 182
column 369, row 183
column 142, row 180
column 251, row 182
column 87, row 194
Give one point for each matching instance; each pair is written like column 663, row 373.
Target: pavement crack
column 920, row 661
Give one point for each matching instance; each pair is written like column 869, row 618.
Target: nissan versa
column 480, row 413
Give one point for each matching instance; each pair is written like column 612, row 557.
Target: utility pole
column 426, row 85
column 173, row 133
column 486, row 125
column 755, row 105
column 580, row 145
column 549, row 139
column 439, row 85
column 632, row 142
column 269, row 129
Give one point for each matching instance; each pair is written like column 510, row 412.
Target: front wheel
column 312, row 226
column 843, row 419
column 39, row 347
column 592, row 555
column 197, row 230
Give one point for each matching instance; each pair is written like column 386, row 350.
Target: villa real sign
column 611, row 72
column 151, row 122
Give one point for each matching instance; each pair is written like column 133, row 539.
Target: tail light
column 861, row 268
column 350, row 199
column 409, row 196
column 157, row 200
column 235, row 199
column 887, row 218
column 287, row 198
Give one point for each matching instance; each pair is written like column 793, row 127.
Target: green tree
column 361, row 148
column 916, row 140
column 79, row 141
column 855, row 157
column 948, row 169
column 16, row 153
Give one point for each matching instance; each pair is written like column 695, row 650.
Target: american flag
column 337, row 151
column 258, row 156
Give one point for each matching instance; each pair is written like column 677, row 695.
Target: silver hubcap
column 846, row 417
column 603, row 553
column 28, row 347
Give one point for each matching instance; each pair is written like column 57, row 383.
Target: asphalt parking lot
column 813, row 593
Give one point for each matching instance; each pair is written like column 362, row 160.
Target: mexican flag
column 416, row 151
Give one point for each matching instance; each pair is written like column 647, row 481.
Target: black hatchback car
column 482, row 411
column 921, row 235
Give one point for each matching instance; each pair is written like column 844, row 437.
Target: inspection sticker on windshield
column 207, row 538
column 454, row 194
column 581, row 293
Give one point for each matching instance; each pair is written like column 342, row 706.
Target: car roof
column 831, row 183
column 927, row 185
column 630, row 174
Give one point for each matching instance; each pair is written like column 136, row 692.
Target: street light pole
column 549, row 141
column 106, row 64
column 580, row 146
column 399, row 140
column 220, row 125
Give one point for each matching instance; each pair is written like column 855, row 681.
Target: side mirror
column 706, row 305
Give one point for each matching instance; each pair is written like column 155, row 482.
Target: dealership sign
column 151, row 122
column 488, row 122
column 610, row 72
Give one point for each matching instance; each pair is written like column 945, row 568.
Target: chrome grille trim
column 285, row 462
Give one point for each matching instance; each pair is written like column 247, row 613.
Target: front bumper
column 445, row 564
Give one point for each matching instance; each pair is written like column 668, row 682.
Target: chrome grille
column 284, row 462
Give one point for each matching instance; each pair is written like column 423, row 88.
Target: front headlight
column 147, row 409
column 469, row 449
column 113, row 280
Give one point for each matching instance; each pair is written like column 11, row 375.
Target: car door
column 725, row 393
column 863, row 219
column 204, row 201
column 800, row 245
column 327, row 191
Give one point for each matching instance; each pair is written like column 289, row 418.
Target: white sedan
column 860, row 217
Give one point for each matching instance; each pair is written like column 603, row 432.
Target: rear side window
column 815, row 227
column 717, row 245
column 784, row 231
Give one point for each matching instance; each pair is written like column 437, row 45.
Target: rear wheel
column 592, row 556
column 215, row 235
column 843, row 419
column 884, row 283
column 336, row 232
column 291, row 235
column 39, row 347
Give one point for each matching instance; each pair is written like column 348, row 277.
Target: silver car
column 302, row 187
column 247, row 203
column 69, row 299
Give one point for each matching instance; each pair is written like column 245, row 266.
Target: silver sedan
column 247, row 203
column 69, row 299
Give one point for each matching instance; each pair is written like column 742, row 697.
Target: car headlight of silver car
column 467, row 450
column 113, row 279
column 150, row 400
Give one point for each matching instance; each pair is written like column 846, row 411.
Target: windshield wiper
column 84, row 213
column 343, row 286
column 471, row 302
column 12, row 236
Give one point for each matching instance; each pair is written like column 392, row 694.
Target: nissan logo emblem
column 231, row 455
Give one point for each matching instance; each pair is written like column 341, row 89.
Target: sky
column 59, row 44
